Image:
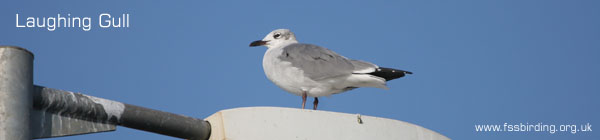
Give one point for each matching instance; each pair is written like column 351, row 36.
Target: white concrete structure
column 275, row 123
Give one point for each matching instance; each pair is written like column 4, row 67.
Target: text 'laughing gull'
column 310, row 70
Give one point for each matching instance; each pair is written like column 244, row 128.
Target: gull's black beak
column 258, row 43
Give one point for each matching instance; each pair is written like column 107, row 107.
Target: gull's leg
column 303, row 99
column 315, row 103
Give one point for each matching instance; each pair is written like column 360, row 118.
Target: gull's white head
column 276, row 38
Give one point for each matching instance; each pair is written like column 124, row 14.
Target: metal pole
column 16, row 87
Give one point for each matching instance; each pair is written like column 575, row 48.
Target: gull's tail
column 389, row 73
column 370, row 75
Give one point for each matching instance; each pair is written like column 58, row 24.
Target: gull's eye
column 277, row 35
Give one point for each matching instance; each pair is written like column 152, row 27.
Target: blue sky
column 475, row 62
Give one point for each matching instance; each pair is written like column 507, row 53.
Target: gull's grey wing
column 318, row 63
column 363, row 66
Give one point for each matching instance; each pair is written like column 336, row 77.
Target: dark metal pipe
column 96, row 109
column 164, row 123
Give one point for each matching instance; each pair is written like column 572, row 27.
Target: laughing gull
column 310, row 70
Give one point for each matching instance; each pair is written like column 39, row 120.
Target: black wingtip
column 389, row 73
